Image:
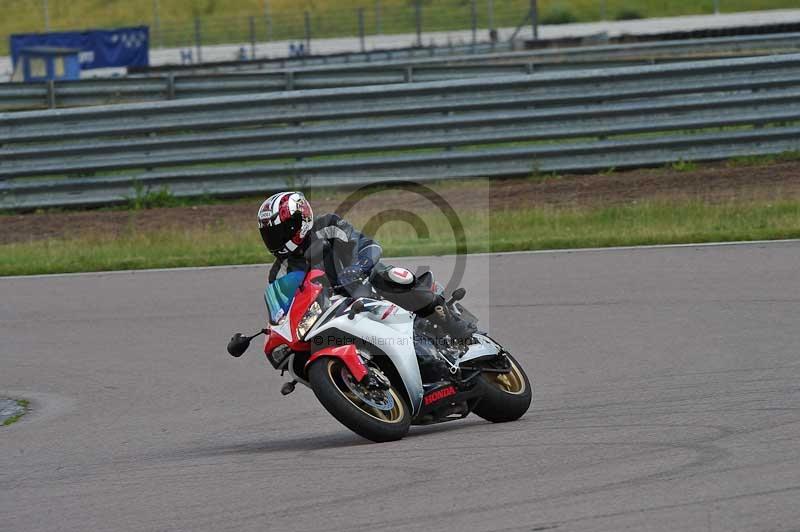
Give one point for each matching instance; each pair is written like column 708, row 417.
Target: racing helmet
column 284, row 221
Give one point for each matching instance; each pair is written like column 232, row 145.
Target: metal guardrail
column 593, row 49
column 410, row 54
column 505, row 126
column 126, row 90
column 66, row 94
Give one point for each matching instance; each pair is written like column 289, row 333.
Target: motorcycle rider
column 287, row 226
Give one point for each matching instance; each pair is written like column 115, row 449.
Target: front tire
column 333, row 385
column 507, row 396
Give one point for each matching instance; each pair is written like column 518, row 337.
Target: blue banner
column 120, row 47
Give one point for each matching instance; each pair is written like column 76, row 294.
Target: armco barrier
column 504, row 126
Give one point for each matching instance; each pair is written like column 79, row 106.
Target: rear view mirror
column 238, row 345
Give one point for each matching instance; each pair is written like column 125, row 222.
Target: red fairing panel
column 273, row 340
column 302, row 301
column 347, row 354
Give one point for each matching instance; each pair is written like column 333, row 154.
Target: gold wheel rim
column 512, row 382
column 395, row 415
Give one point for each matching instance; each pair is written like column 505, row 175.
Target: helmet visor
column 276, row 236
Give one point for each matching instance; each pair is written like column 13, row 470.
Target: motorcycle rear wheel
column 508, row 395
column 328, row 380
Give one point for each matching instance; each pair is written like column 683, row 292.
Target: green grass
column 627, row 13
column 650, row 222
column 228, row 21
column 758, row 160
column 683, row 166
column 558, row 16
column 24, row 403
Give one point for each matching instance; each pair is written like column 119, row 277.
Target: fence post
column 171, row 86
column 252, row 38
column 716, row 7
column 490, row 14
column 473, row 7
column 198, row 40
column 418, row 20
column 46, row 13
column 51, row 94
column 535, row 19
column 157, row 24
column 268, row 20
column 378, row 25
column 361, row 29
column 307, row 23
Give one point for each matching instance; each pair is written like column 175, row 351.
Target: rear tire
column 507, row 397
column 326, row 376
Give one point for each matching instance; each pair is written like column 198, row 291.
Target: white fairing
column 283, row 328
column 485, row 347
column 390, row 329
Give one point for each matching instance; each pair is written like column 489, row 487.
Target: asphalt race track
column 667, row 397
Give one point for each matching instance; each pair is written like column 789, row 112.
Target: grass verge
column 647, row 222
column 24, row 403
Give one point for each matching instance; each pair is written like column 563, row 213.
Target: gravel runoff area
column 718, row 182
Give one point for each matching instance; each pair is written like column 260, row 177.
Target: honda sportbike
column 378, row 368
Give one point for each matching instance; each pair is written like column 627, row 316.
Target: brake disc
column 380, row 399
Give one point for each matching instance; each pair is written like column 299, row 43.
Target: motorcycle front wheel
column 507, row 396
column 377, row 415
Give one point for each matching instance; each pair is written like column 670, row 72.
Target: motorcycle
column 378, row 368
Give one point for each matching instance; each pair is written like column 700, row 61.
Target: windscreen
column 280, row 294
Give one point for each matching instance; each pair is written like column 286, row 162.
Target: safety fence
column 501, row 126
column 194, row 26
column 17, row 96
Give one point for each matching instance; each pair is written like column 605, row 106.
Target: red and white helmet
column 284, row 221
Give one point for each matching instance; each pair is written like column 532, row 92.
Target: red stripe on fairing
column 388, row 311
